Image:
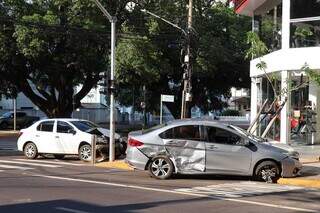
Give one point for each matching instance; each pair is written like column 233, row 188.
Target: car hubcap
column 85, row 153
column 160, row 167
column 30, row 151
column 268, row 173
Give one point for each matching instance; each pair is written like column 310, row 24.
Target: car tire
column 85, row 152
column 58, row 156
column 267, row 171
column 161, row 167
column 4, row 125
column 30, row 151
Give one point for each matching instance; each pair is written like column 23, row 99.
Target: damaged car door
column 186, row 146
column 226, row 152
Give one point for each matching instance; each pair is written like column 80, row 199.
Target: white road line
column 51, row 162
column 29, row 163
column 70, row 210
column 14, row 167
column 1, row 170
column 237, row 190
column 177, row 192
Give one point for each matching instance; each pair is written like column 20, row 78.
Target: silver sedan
column 206, row 146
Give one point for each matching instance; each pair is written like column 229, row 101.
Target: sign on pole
column 165, row 98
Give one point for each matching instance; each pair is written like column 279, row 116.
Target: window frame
column 53, row 126
column 72, row 127
column 200, row 128
column 205, row 129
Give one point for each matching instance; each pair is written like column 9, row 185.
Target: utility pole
column 113, row 21
column 186, row 92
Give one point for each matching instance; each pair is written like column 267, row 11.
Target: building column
column 285, row 112
column 255, row 99
column 314, row 98
column 285, row 34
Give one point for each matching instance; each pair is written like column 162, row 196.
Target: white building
column 295, row 42
column 240, row 100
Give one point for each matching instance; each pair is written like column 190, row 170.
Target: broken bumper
column 290, row 167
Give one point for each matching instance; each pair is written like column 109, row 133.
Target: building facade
column 291, row 30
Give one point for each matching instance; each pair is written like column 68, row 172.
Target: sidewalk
column 310, row 176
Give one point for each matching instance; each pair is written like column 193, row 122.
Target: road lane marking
column 70, row 210
column 176, row 192
column 1, row 170
column 14, row 167
column 29, row 163
column 51, row 162
column 238, row 190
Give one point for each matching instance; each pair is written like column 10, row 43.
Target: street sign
column 167, row 98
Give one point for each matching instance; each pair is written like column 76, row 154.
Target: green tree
column 219, row 44
column 49, row 47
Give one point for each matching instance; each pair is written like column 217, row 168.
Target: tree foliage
column 49, row 47
column 218, row 49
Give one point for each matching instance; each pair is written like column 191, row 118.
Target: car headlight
column 293, row 154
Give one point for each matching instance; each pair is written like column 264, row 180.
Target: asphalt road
column 49, row 185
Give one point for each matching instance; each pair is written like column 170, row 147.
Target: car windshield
column 247, row 134
column 84, row 125
column 153, row 128
column 6, row 115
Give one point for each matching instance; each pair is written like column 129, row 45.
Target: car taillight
column 134, row 142
column 19, row 134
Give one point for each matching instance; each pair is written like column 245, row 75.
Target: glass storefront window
column 305, row 34
column 268, row 27
column 299, row 108
column 304, row 8
column 270, row 109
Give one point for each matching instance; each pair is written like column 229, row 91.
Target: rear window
column 46, row 126
column 154, row 128
column 188, row 132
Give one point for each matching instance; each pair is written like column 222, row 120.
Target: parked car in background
column 207, row 146
column 62, row 137
column 22, row 120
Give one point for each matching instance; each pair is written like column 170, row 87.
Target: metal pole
column 187, row 73
column 112, row 124
column 93, row 149
column 144, row 108
column 161, row 110
column 15, row 113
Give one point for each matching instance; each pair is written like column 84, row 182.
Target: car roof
column 196, row 121
column 63, row 119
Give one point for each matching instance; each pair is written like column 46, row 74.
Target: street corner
column 304, row 182
column 118, row 164
column 309, row 176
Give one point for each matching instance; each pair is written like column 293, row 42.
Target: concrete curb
column 310, row 183
column 118, row 164
column 315, row 159
column 8, row 133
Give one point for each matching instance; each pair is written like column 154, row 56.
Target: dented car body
column 205, row 146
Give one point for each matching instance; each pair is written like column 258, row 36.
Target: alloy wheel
column 268, row 173
column 85, row 153
column 160, row 167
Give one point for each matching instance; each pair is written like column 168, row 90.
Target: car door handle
column 37, row 135
column 57, row 137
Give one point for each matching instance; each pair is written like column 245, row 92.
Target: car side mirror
column 72, row 131
column 246, row 142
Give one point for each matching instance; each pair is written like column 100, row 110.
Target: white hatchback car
column 65, row 137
